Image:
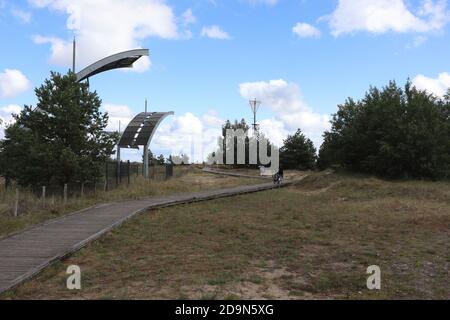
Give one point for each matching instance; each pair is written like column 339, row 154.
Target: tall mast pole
column 74, row 54
column 146, row 152
column 255, row 104
column 254, row 121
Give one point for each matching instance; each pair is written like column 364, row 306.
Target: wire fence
column 17, row 199
column 127, row 172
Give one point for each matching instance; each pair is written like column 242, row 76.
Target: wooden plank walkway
column 24, row 254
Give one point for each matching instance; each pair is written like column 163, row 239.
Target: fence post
column 118, row 174
column 82, row 190
column 65, row 194
column 119, row 167
column 43, row 196
column 16, row 204
column 129, row 172
column 106, row 176
column 171, row 167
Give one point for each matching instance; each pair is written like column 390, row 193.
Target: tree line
column 393, row 132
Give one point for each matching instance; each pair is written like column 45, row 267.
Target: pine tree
column 393, row 132
column 61, row 140
column 298, row 152
column 161, row 160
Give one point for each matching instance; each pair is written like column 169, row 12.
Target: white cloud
column 305, row 30
column 275, row 130
column 118, row 114
column 215, row 32
column 107, row 27
column 11, row 109
column 281, row 96
column 119, row 118
column 6, row 117
column 12, row 83
column 59, row 49
column 22, row 16
column 189, row 134
column 380, row 16
column 290, row 110
column 212, row 119
column 438, row 86
column 188, row 17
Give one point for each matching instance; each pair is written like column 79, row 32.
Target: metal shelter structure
column 140, row 132
column 116, row 61
column 141, row 129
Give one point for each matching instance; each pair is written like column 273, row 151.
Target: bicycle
column 277, row 179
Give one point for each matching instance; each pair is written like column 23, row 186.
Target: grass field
column 310, row 241
column 189, row 180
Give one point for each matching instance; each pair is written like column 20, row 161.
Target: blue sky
column 301, row 58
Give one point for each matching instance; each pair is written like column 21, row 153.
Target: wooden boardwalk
column 24, row 254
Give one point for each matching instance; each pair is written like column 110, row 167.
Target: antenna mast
column 74, row 54
column 255, row 104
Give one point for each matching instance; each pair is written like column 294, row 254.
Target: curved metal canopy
column 116, row 61
column 141, row 129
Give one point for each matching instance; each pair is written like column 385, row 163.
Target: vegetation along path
column 24, row 254
column 235, row 174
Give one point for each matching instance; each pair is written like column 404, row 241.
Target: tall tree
column 298, row 152
column 61, row 140
column 227, row 143
column 393, row 132
column 161, row 160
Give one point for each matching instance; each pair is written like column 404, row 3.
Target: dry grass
column 245, row 171
column 311, row 241
column 32, row 213
column 288, row 174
